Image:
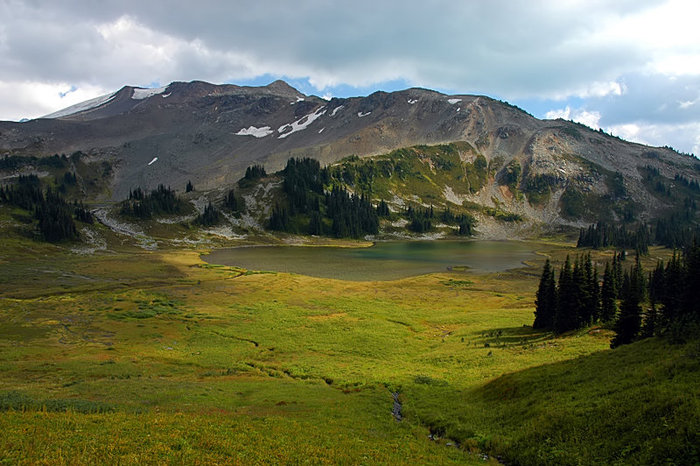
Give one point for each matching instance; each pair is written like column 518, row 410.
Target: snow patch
column 360, row 114
column 321, row 130
column 453, row 101
column 140, row 94
column 257, row 132
column 299, row 99
column 83, row 106
column 412, row 101
column 301, row 124
column 336, row 110
column 166, row 95
column 152, row 161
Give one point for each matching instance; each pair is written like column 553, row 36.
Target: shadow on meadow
column 523, row 336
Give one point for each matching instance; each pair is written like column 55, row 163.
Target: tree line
column 14, row 162
column 677, row 231
column 602, row 235
column 160, row 201
column 55, row 215
column 422, row 220
column 635, row 304
column 310, row 209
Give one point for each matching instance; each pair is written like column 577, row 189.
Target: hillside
column 548, row 172
column 130, row 356
column 120, row 343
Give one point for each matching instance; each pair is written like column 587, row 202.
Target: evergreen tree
column 302, row 184
column 546, row 302
column 602, row 235
column 82, row 213
column 577, row 299
column 315, row 224
column 650, row 322
column 55, row 219
column 594, row 291
column 233, row 203
column 629, row 321
column 587, row 307
column 159, row 201
column 673, row 290
column 565, row 318
column 690, row 311
column 189, row 187
column 608, row 295
column 352, row 216
column 254, row 172
column 617, row 275
column 465, row 229
column 383, row 209
column 279, row 220
column 638, row 278
column 210, row 216
column 657, row 284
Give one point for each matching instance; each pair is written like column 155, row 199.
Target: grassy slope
column 639, row 404
column 213, row 364
column 420, row 172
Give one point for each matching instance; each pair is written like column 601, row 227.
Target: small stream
column 396, row 409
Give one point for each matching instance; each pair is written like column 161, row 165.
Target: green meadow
column 137, row 357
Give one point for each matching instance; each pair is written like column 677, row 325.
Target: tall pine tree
column 608, row 296
column 565, row 317
column 629, row 321
column 546, row 302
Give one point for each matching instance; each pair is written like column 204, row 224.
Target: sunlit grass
column 203, row 364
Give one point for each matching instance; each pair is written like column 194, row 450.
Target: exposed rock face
column 209, row 134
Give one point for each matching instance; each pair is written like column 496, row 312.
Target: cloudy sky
column 631, row 67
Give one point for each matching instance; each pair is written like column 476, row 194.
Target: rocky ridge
column 210, row 134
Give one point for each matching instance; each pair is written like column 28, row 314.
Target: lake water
column 384, row 261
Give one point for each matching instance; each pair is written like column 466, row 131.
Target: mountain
column 549, row 171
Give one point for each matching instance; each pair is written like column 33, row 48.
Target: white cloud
column 617, row 58
column 588, row 118
column 678, row 65
column 630, row 132
column 35, row 99
column 565, row 47
column 661, row 135
column 666, row 32
column 563, row 113
column 602, row 89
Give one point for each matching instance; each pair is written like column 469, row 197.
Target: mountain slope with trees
column 552, row 172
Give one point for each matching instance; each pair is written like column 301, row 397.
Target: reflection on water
column 383, row 261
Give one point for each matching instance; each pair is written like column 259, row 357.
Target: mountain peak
column 283, row 88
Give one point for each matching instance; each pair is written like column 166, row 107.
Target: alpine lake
column 386, row 260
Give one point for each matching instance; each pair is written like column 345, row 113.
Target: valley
column 136, row 356
column 220, row 274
